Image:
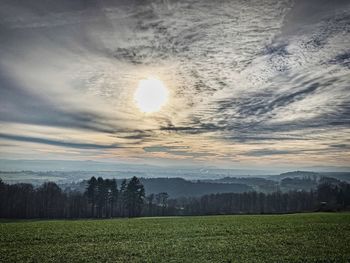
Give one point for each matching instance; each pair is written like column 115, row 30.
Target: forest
column 103, row 198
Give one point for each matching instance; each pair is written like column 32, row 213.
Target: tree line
column 103, row 199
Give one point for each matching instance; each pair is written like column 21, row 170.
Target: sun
column 151, row 95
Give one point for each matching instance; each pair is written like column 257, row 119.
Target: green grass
column 319, row 237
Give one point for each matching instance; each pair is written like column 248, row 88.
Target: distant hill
column 342, row 176
column 259, row 184
column 175, row 187
column 182, row 183
column 293, row 174
column 178, row 187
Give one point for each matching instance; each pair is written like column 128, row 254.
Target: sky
column 252, row 84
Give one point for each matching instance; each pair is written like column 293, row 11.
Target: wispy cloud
column 58, row 143
column 241, row 74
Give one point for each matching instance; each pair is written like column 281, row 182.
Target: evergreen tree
column 102, row 196
column 91, row 193
column 113, row 196
column 135, row 194
column 122, row 198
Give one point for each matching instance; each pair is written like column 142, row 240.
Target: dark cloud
column 58, row 142
column 340, row 146
column 176, row 150
column 342, row 59
column 267, row 152
column 160, row 148
column 254, row 108
column 20, row 105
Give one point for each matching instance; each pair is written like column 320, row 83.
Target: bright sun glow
column 151, row 94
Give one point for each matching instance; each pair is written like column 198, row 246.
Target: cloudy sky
column 251, row 83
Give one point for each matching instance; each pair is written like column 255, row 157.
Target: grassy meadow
column 318, row 237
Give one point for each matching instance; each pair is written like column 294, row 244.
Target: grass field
column 319, row 237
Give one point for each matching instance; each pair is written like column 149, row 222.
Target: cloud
column 342, row 59
column 340, row 146
column 240, row 73
column 176, row 150
column 57, row 142
column 24, row 106
column 268, row 152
